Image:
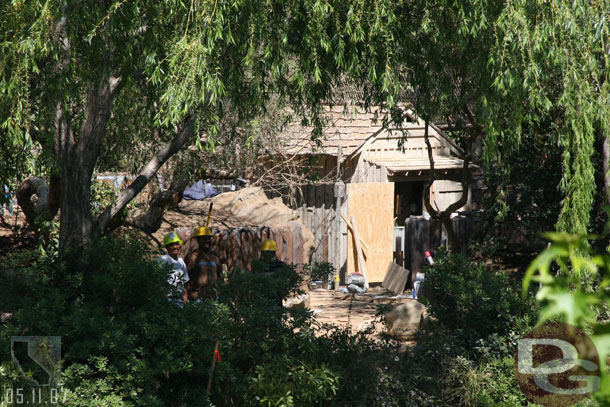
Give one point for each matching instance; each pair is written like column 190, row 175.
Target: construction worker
column 271, row 263
column 203, row 265
column 179, row 276
column 268, row 256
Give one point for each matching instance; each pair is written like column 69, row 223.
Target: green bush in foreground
column 474, row 304
column 125, row 344
column 575, row 288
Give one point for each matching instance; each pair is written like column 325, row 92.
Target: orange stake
column 214, row 358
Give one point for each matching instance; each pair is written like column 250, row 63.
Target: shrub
column 472, row 303
column 125, row 344
column 289, row 382
column 121, row 338
column 321, row 271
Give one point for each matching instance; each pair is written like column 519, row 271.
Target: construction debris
column 396, row 278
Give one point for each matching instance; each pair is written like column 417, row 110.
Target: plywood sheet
column 372, row 204
column 396, row 278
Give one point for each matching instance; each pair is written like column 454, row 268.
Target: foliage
column 125, row 344
column 574, row 289
column 48, row 237
column 321, row 271
column 551, row 60
column 522, row 195
column 473, row 303
column 102, row 195
column 464, row 356
column 485, row 384
column 288, row 382
column 86, row 76
column 122, row 341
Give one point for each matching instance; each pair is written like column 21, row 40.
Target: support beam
column 365, row 248
column 361, row 261
column 338, row 238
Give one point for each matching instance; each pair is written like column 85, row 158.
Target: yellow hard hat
column 170, row 238
column 202, row 231
column 268, row 245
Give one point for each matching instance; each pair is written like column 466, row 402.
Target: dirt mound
column 243, row 208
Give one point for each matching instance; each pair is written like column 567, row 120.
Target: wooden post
column 365, row 248
column 338, row 235
column 359, row 251
column 209, row 388
column 207, row 223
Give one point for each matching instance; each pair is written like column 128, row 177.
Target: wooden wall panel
column 372, row 204
column 327, row 208
column 344, row 238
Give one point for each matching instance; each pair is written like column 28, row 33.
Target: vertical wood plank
column 328, row 210
column 344, row 237
column 319, row 222
column 361, row 262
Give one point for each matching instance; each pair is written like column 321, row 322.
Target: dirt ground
column 337, row 308
column 14, row 235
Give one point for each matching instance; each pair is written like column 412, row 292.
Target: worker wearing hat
column 269, row 257
column 179, row 276
column 203, row 265
column 270, row 261
column 268, row 249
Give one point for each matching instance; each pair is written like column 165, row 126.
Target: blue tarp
column 199, row 191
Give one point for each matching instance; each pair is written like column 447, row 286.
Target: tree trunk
column 75, row 217
column 606, row 167
column 455, row 245
column 77, row 156
column 453, row 240
column 47, row 204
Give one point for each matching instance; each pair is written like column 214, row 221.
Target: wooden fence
column 425, row 235
column 237, row 247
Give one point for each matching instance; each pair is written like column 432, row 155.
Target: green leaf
column 571, row 307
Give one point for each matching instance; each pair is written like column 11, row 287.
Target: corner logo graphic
column 37, row 358
column 557, row 365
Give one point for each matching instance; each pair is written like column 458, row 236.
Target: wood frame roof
column 353, row 129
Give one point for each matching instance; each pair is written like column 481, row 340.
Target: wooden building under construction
column 376, row 177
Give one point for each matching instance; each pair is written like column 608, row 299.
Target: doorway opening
column 408, row 200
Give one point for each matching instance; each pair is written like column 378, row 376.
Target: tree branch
column 145, row 175
column 433, row 212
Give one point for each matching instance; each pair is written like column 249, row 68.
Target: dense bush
column 122, row 340
column 465, row 357
column 472, row 303
column 125, row 344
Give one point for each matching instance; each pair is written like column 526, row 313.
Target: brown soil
column 332, row 307
column 15, row 235
column 357, row 312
